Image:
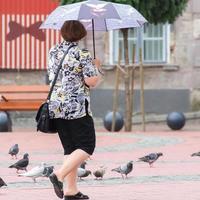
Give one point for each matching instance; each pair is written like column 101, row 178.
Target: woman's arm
column 94, row 80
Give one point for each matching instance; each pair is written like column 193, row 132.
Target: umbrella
column 95, row 15
column 85, row 10
column 91, row 10
column 129, row 18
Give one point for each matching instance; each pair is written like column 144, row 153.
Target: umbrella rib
column 79, row 12
column 140, row 23
column 105, row 24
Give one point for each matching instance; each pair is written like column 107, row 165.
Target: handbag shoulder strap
column 56, row 76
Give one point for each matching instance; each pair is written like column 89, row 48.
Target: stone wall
column 187, row 48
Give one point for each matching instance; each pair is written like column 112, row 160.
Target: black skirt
column 77, row 134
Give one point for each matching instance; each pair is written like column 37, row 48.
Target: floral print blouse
column 70, row 94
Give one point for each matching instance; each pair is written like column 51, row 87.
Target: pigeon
column 99, row 173
column 124, row 169
column 83, row 164
column 196, row 154
column 150, row 158
column 47, row 171
column 2, row 183
column 21, row 164
column 81, row 173
column 35, row 172
column 14, row 150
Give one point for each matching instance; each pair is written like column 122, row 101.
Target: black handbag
column 44, row 123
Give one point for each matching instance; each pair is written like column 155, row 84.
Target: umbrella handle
column 93, row 38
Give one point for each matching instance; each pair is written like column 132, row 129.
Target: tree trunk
column 128, row 120
column 116, row 92
column 132, row 74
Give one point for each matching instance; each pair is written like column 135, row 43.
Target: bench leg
column 5, row 122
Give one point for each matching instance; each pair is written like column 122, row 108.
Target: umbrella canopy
column 105, row 15
column 95, row 15
column 129, row 18
column 85, row 10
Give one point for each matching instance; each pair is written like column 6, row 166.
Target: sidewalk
column 175, row 176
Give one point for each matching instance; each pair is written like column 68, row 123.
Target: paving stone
column 176, row 175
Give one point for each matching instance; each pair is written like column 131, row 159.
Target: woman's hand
column 93, row 81
column 97, row 63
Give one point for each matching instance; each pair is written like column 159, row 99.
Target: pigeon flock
column 99, row 173
column 81, row 173
column 22, row 163
column 42, row 170
column 150, row 158
column 14, row 150
column 196, row 154
column 2, row 183
column 35, row 172
column 124, row 169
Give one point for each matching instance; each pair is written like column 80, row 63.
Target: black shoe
column 77, row 196
column 58, row 186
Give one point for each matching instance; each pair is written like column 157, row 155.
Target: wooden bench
column 22, row 97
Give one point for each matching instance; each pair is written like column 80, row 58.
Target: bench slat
column 23, row 88
column 20, row 105
column 23, row 96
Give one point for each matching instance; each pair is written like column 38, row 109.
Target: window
column 155, row 43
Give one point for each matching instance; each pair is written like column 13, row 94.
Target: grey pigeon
column 83, row 164
column 2, row 183
column 82, row 173
column 14, row 150
column 35, row 172
column 21, row 164
column 151, row 158
column 99, row 173
column 47, row 171
column 196, row 154
column 124, row 169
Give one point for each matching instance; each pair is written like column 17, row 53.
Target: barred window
column 155, row 43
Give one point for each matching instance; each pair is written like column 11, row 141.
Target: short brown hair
column 73, row 31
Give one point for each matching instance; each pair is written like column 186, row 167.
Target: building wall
column 183, row 69
column 187, row 48
column 181, row 74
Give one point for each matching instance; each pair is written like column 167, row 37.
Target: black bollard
column 176, row 120
column 5, row 122
column 119, row 121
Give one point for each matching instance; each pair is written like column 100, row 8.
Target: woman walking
column 70, row 106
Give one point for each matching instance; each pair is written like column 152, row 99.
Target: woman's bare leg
column 71, row 179
column 71, row 164
column 71, row 186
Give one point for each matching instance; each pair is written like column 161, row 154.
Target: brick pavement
column 175, row 176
